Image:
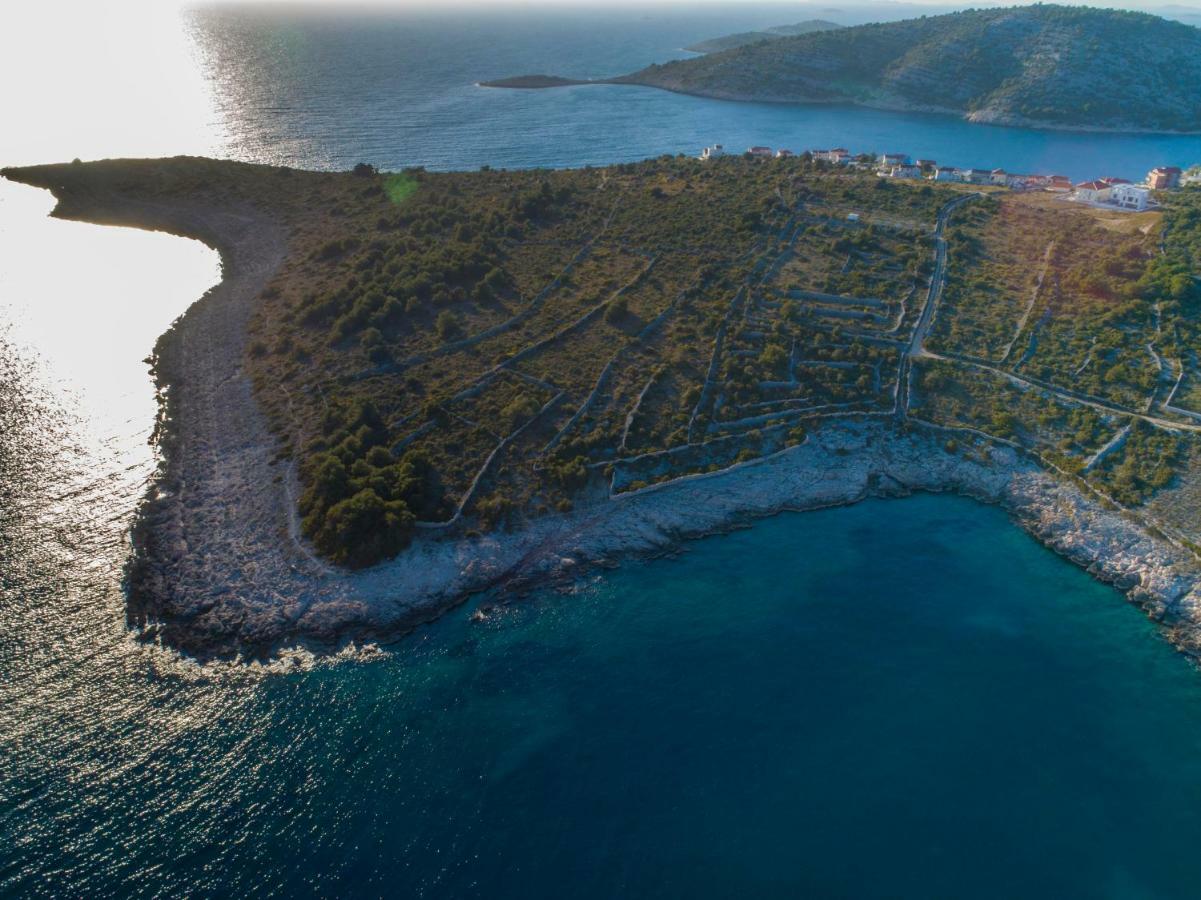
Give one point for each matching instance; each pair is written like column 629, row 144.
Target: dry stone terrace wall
column 480, row 352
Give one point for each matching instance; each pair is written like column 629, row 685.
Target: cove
column 896, row 698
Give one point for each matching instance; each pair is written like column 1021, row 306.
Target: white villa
column 713, row 152
column 902, row 171
column 1130, row 196
column 837, row 155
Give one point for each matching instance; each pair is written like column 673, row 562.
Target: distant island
column 532, row 81
column 413, row 386
column 1046, row 66
column 731, row 41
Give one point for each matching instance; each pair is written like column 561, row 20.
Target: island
column 1045, row 66
column 410, row 387
column 532, row 82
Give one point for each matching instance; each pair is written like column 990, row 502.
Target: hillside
column 449, row 359
column 1048, row 66
column 742, row 38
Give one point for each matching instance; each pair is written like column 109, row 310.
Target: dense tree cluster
column 360, row 501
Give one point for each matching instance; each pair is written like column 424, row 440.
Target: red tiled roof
column 1092, row 185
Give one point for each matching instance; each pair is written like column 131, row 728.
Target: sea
column 905, row 698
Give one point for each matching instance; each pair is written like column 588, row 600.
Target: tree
column 617, row 310
column 364, row 529
column 447, row 325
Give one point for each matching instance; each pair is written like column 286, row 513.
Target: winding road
column 916, row 347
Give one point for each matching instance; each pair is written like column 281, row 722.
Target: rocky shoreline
column 219, row 569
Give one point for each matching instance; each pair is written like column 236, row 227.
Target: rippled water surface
column 897, row 699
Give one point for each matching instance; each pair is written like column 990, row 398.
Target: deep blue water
column 897, row 699
column 401, row 90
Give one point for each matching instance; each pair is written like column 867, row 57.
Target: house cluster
column 717, row 150
column 1114, row 192
column 899, row 165
column 1117, row 192
column 765, row 152
column 1121, row 193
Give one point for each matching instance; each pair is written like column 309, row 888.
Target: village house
column 947, row 173
column 1130, row 196
column 1191, row 176
column 888, row 160
column 978, row 176
column 1092, row 191
column 1163, row 178
column 998, row 176
column 1115, row 181
column 1059, row 183
column 713, row 152
column 927, row 165
column 838, row 155
column 783, row 154
column 759, row 151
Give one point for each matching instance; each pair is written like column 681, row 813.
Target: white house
column 1192, row 175
column 837, row 155
column 998, row 176
column 1092, row 191
column 783, row 154
column 947, row 173
column 713, row 152
column 888, row 160
column 759, row 151
column 1130, row 196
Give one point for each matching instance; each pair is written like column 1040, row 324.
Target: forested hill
column 1052, row 66
column 742, row 38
